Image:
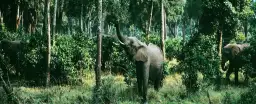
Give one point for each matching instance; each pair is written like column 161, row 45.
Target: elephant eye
column 131, row 43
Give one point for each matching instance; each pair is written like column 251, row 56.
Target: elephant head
column 133, row 47
column 230, row 52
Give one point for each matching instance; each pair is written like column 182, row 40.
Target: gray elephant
column 11, row 50
column 232, row 53
column 148, row 60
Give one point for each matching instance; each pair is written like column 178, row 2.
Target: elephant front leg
column 145, row 82
column 236, row 76
column 139, row 77
column 230, row 70
column 142, row 78
column 139, row 82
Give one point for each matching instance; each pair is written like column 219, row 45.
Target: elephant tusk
column 121, row 42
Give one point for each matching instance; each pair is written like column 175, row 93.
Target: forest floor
column 115, row 91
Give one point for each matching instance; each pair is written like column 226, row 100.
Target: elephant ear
column 141, row 55
column 235, row 50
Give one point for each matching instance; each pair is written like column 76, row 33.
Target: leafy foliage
column 200, row 55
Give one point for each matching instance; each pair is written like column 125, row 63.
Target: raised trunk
column 162, row 28
column 120, row 37
column 48, row 33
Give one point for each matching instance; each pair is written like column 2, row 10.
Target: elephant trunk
column 120, row 37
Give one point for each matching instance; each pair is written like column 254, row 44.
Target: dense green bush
column 173, row 47
column 70, row 57
column 200, row 56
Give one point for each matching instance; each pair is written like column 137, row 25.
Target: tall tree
column 81, row 16
column 162, row 28
column 150, row 19
column 54, row 21
column 47, row 32
column 99, row 39
column 18, row 15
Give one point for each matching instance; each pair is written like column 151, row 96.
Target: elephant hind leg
column 158, row 83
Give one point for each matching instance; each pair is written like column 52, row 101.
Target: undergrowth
column 115, row 91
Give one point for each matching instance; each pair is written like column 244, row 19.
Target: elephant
column 12, row 50
column 148, row 60
column 232, row 53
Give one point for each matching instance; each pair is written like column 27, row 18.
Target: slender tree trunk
column 150, row 19
column 246, row 28
column 70, row 23
column 165, row 32
column 54, row 22
column 18, row 15
column 220, row 42
column 184, row 32
column 81, row 16
column 162, row 28
column 47, row 32
column 99, row 38
column 191, row 27
column 60, row 15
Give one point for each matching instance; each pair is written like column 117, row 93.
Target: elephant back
column 243, row 46
column 156, row 53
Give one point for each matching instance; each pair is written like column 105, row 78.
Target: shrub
column 200, row 55
column 113, row 89
column 173, row 47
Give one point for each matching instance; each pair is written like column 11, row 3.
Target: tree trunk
column 70, row 23
column 191, row 27
column 162, row 28
column 54, row 22
column 184, row 32
column 99, row 38
column 150, row 19
column 11, row 97
column 245, row 28
column 47, row 32
column 220, row 42
column 60, row 15
column 18, row 15
column 81, row 16
column 165, row 32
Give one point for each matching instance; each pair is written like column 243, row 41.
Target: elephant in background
column 231, row 53
column 148, row 60
column 11, row 50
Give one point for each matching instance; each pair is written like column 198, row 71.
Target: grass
column 115, row 91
